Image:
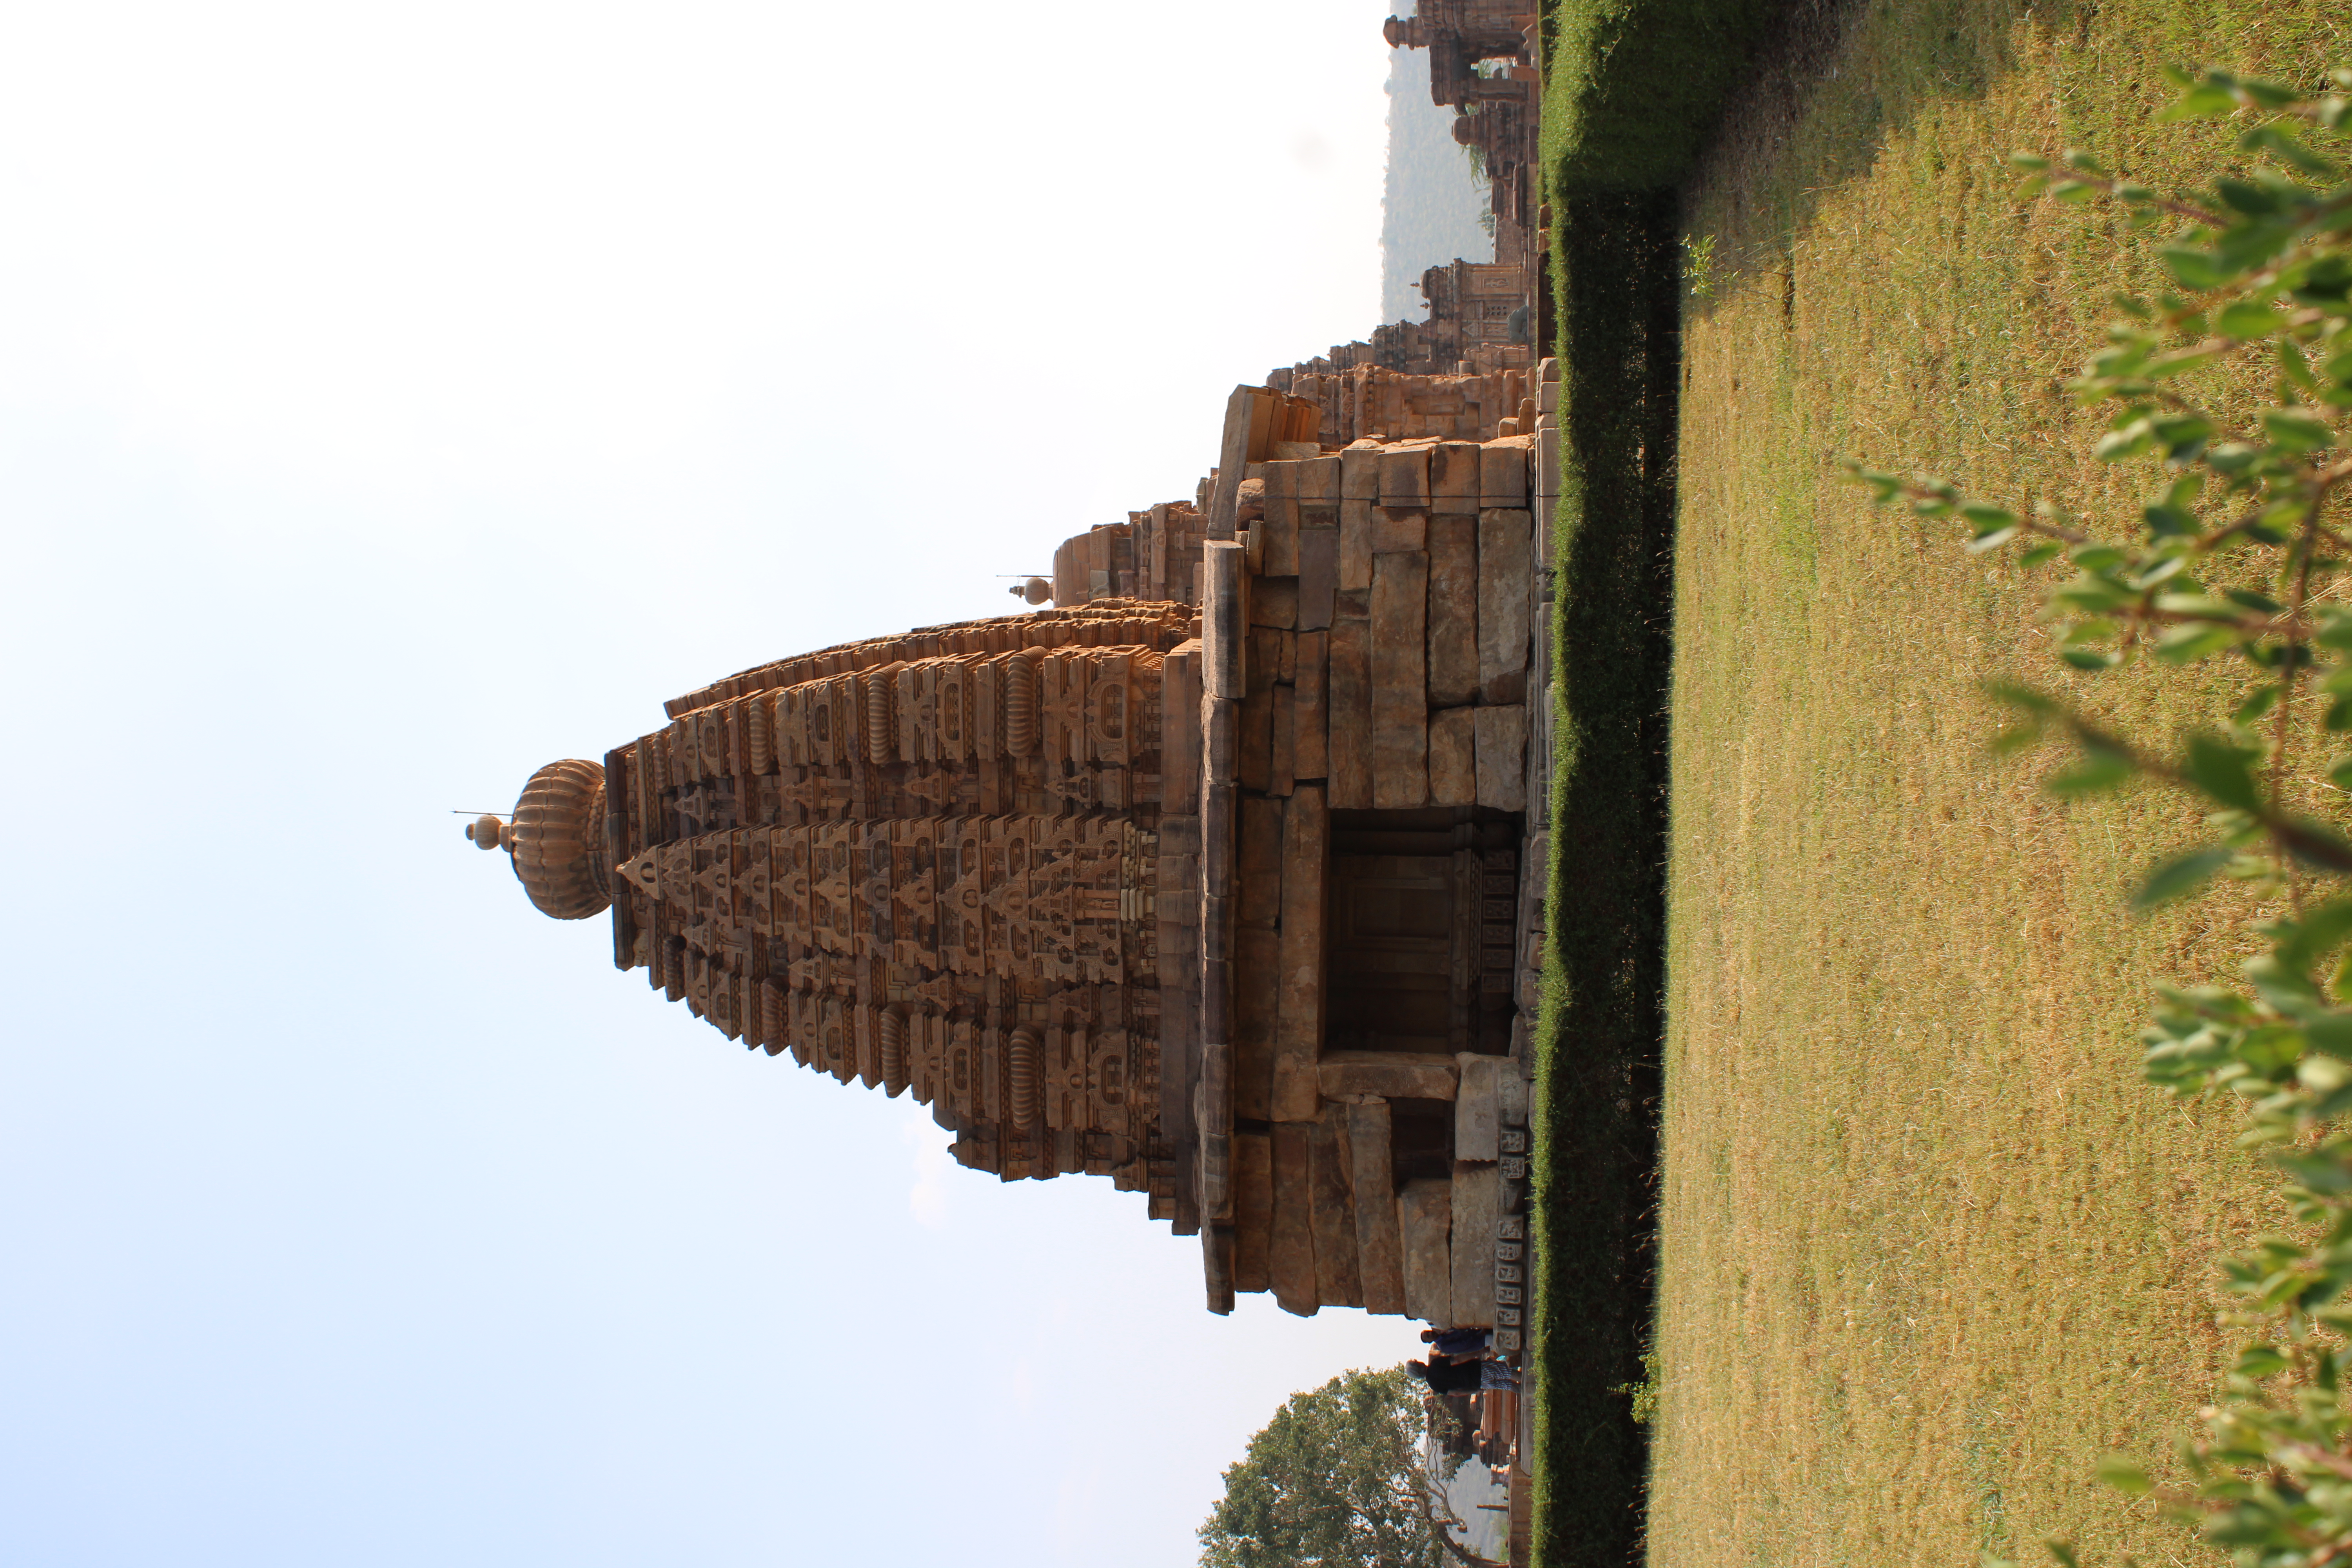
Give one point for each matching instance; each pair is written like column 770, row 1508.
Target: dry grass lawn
column 1929, row 1246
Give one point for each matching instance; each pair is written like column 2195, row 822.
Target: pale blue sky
column 395, row 398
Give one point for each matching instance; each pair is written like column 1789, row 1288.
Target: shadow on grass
column 1616, row 276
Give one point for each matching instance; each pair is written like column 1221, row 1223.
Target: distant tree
column 1336, row 1480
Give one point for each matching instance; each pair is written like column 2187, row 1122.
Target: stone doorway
column 1421, row 929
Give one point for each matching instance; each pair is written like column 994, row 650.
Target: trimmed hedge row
column 1631, row 88
column 1617, row 281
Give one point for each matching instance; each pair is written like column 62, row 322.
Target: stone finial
column 1034, row 590
column 486, row 833
column 558, row 840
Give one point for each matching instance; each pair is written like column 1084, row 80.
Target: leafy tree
column 1335, row 1480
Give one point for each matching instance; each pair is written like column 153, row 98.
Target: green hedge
column 1617, row 283
column 1631, row 88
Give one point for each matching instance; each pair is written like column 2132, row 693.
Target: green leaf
column 2039, row 553
column 2094, row 660
column 2330, row 1033
column 2024, row 697
column 2028, row 163
column 2319, row 1171
column 1994, row 526
column 2097, row 771
column 2193, row 266
column 2290, row 149
column 2187, row 645
column 2297, row 429
column 2179, row 877
column 2015, row 739
column 2206, row 101
column 2064, row 1554
column 2095, row 594
column 2247, row 196
column 2130, row 441
column 2223, row 771
column 2247, row 318
column 2125, row 1474
column 2096, row 557
column 2232, row 456
column 2296, row 368
column 2258, row 1362
column 2260, row 700
column 2182, row 436
column 2179, row 361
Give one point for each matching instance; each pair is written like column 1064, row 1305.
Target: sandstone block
column 1404, row 477
column 1476, row 1192
column 1252, row 1165
column 1298, row 1035
column 1453, row 610
column 1280, row 524
column 1222, row 627
column 1219, row 815
column 1506, row 559
column 1360, row 473
column 1391, row 1074
column 1245, row 412
column 1290, row 1252
column 1394, row 529
column 1258, row 1009
column 1338, row 1281
column 1453, row 758
column 1319, row 482
column 1273, row 602
column 1257, row 896
column 1502, row 743
column 1318, row 576
column 1355, row 545
column 1350, row 722
column 1454, row 478
column 1180, row 739
column 1312, row 759
column 1503, row 474
column 1425, row 1218
column 1379, row 1252
column 1282, row 764
column 1255, row 762
column 1217, row 1267
column 1399, row 693
column 1477, row 1107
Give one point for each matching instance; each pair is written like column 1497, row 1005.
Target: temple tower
column 928, row 864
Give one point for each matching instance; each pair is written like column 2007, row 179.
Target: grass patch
column 1928, row 1246
column 1616, row 268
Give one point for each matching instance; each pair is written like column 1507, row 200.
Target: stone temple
column 1213, row 877
column 1210, row 878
